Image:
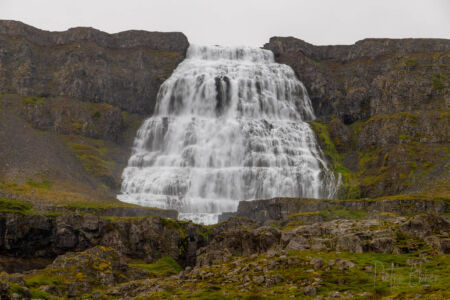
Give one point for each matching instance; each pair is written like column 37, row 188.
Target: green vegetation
column 164, row 267
column 14, row 206
column 378, row 169
column 43, row 279
column 438, row 81
column 91, row 158
column 44, row 184
column 343, row 214
column 348, row 179
column 31, row 100
column 411, row 62
column 372, row 276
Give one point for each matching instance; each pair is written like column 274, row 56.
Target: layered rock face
column 147, row 238
column 123, row 69
column 372, row 76
column 382, row 107
column 71, row 103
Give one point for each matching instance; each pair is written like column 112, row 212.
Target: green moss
column 411, row 62
column 90, row 157
column 350, row 188
column 164, row 267
column 14, row 206
column 44, row 184
column 31, row 100
column 402, row 282
column 96, row 115
column 342, row 213
column 43, row 279
column 325, row 141
column 39, row 294
column 437, row 81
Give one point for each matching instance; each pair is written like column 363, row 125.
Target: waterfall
column 229, row 125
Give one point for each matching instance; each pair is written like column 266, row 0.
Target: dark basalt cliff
column 123, row 69
column 373, row 76
column 70, row 105
column 382, row 108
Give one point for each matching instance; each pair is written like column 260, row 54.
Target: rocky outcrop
column 279, row 209
column 373, row 76
column 147, row 238
column 238, row 251
column 123, row 69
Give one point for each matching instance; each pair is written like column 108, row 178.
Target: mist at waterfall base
column 229, row 125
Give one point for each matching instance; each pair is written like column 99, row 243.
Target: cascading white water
column 230, row 125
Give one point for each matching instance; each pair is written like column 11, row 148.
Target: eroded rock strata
column 382, row 108
column 124, row 258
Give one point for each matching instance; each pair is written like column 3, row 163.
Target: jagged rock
column 382, row 245
column 298, row 243
column 350, row 242
column 425, row 225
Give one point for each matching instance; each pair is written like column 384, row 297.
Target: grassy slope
column 44, row 167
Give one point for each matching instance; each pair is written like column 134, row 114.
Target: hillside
column 382, row 108
column 71, row 103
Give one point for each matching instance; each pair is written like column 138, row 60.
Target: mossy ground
column 374, row 276
column 164, row 267
column 14, row 206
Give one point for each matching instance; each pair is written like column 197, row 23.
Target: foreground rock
column 147, row 238
column 239, row 254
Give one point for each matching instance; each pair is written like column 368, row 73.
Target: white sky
column 243, row 22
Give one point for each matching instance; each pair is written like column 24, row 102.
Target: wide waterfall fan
column 230, row 125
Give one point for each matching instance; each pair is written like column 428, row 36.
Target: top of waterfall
column 230, row 53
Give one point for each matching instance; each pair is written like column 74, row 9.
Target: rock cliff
column 123, row 69
column 70, row 105
column 382, row 108
column 373, row 76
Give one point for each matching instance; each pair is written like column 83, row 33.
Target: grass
column 164, row 267
column 14, row 206
column 437, row 82
column 44, row 184
column 343, row 214
column 91, row 158
column 31, row 100
column 43, row 279
column 394, row 277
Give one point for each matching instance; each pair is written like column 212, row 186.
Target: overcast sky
column 243, row 22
